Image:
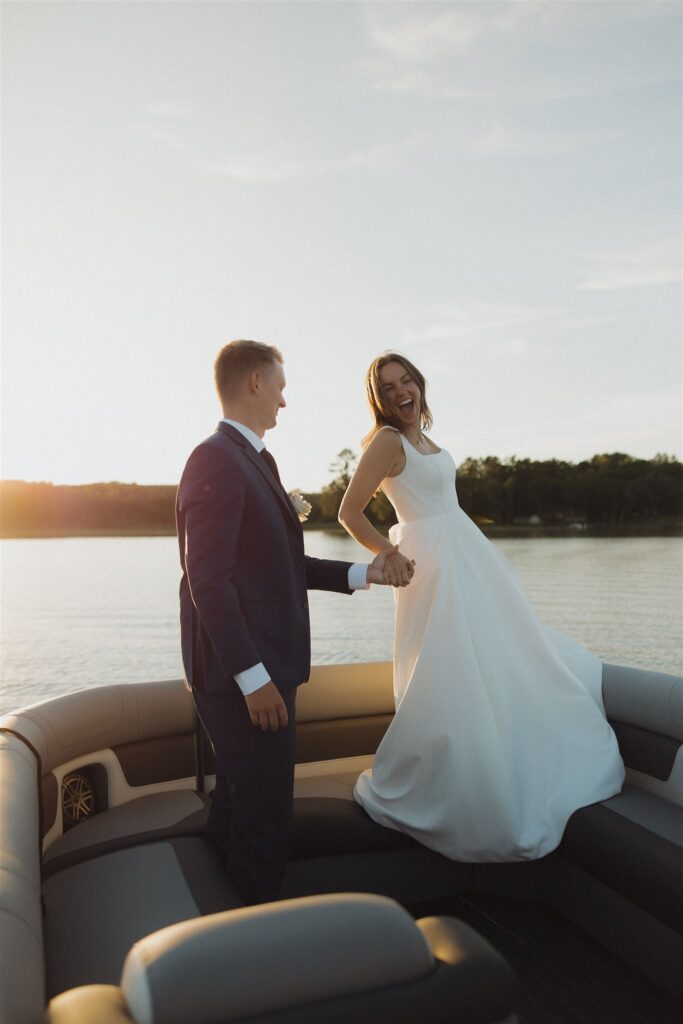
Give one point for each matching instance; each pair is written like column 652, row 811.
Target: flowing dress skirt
column 500, row 732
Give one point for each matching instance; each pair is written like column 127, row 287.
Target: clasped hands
column 391, row 568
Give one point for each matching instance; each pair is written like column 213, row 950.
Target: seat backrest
column 107, row 722
column 22, row 964
column 648, row 700
column 344, row 956
column 103, row 717
column 351, row 690
column 645, row 710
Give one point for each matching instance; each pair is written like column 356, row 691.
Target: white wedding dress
column 500, row 731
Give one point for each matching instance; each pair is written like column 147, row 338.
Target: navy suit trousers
column 251, row 809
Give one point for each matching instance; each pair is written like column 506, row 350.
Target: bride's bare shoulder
column 384, row 451
column 384, row 443
column 385, row 438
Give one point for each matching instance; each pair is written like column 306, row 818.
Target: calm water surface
column 80, row 612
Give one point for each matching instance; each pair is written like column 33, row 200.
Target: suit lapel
column 258, row 463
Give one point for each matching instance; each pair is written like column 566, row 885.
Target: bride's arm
column 383, row 457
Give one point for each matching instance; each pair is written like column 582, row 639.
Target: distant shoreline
column 664, row 529
column 54, row 534
column 610, row 495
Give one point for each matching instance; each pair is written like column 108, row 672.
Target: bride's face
column 401, row 393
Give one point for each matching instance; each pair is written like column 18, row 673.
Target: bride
column 500, row 731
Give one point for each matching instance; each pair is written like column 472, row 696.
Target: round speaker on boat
column 78, row 798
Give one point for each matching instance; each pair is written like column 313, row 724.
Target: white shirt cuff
column 358, row 576
column 252, row 679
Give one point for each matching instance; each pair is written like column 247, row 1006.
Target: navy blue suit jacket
column 243, row 593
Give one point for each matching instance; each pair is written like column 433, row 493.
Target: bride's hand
column 398, row 569
column 392, row 568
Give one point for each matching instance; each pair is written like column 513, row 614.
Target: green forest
column 612, row 492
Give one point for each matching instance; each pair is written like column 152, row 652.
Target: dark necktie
column 271, row 464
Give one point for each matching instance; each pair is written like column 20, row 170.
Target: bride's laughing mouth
column 407, row 408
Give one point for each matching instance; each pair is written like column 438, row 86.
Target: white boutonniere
column 302, row 507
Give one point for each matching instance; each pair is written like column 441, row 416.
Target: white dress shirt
column 255, row 677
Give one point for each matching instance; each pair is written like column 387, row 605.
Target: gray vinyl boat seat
column 130, row 914
column 142, row 865
column 625, row 855
column 328, row 960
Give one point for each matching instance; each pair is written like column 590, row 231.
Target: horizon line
column 669, row 457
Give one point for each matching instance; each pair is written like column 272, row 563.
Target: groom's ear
column 254, row 382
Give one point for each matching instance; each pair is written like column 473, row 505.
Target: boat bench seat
column 96, row 909
column 328, row 960
column 142, row 863
column 156, row 817
column 145, row 865
column 633, row 843
column 620, row 864
column 619, row 875
column 183, row 812
column 158, row 908
column 22, row 963
column 335, row 846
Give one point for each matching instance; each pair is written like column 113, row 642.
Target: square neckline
column 425, row 455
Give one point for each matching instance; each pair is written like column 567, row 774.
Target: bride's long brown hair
column 379, row 407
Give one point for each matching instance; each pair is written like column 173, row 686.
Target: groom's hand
column 392, row 568
column 266, row 708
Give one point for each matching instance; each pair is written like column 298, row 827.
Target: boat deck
column 564, row 976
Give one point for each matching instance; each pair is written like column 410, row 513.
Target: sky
column 492, row 189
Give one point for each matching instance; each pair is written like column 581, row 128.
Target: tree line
column 43, row 509
column 614, row 490
column 611, row 489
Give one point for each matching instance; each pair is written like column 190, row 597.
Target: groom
column 244, row 615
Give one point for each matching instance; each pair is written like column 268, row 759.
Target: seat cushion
column 96, row 910
column 651, row 811
column 323, row 789
column 158, row 816
column 327, row 819
column 616, row 842
column 324, row 826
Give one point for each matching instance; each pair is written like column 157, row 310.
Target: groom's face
column 271, row 397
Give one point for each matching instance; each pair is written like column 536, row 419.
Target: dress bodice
column 425, row 486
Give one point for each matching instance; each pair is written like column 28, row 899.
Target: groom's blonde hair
column 379, row 407
column 237, row 360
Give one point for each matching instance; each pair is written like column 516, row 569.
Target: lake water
column 80, row 612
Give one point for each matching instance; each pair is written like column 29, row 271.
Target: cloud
column 507, row 329
column 162, row 127
column 644, row 267
column 174, row 109
column 260, row 168
column 423, row 34
column 518, row 141
column 470, row 323
column 472, row 319
column 475, row 51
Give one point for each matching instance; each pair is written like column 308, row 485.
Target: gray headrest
column 242, row 963
column 652, row 700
